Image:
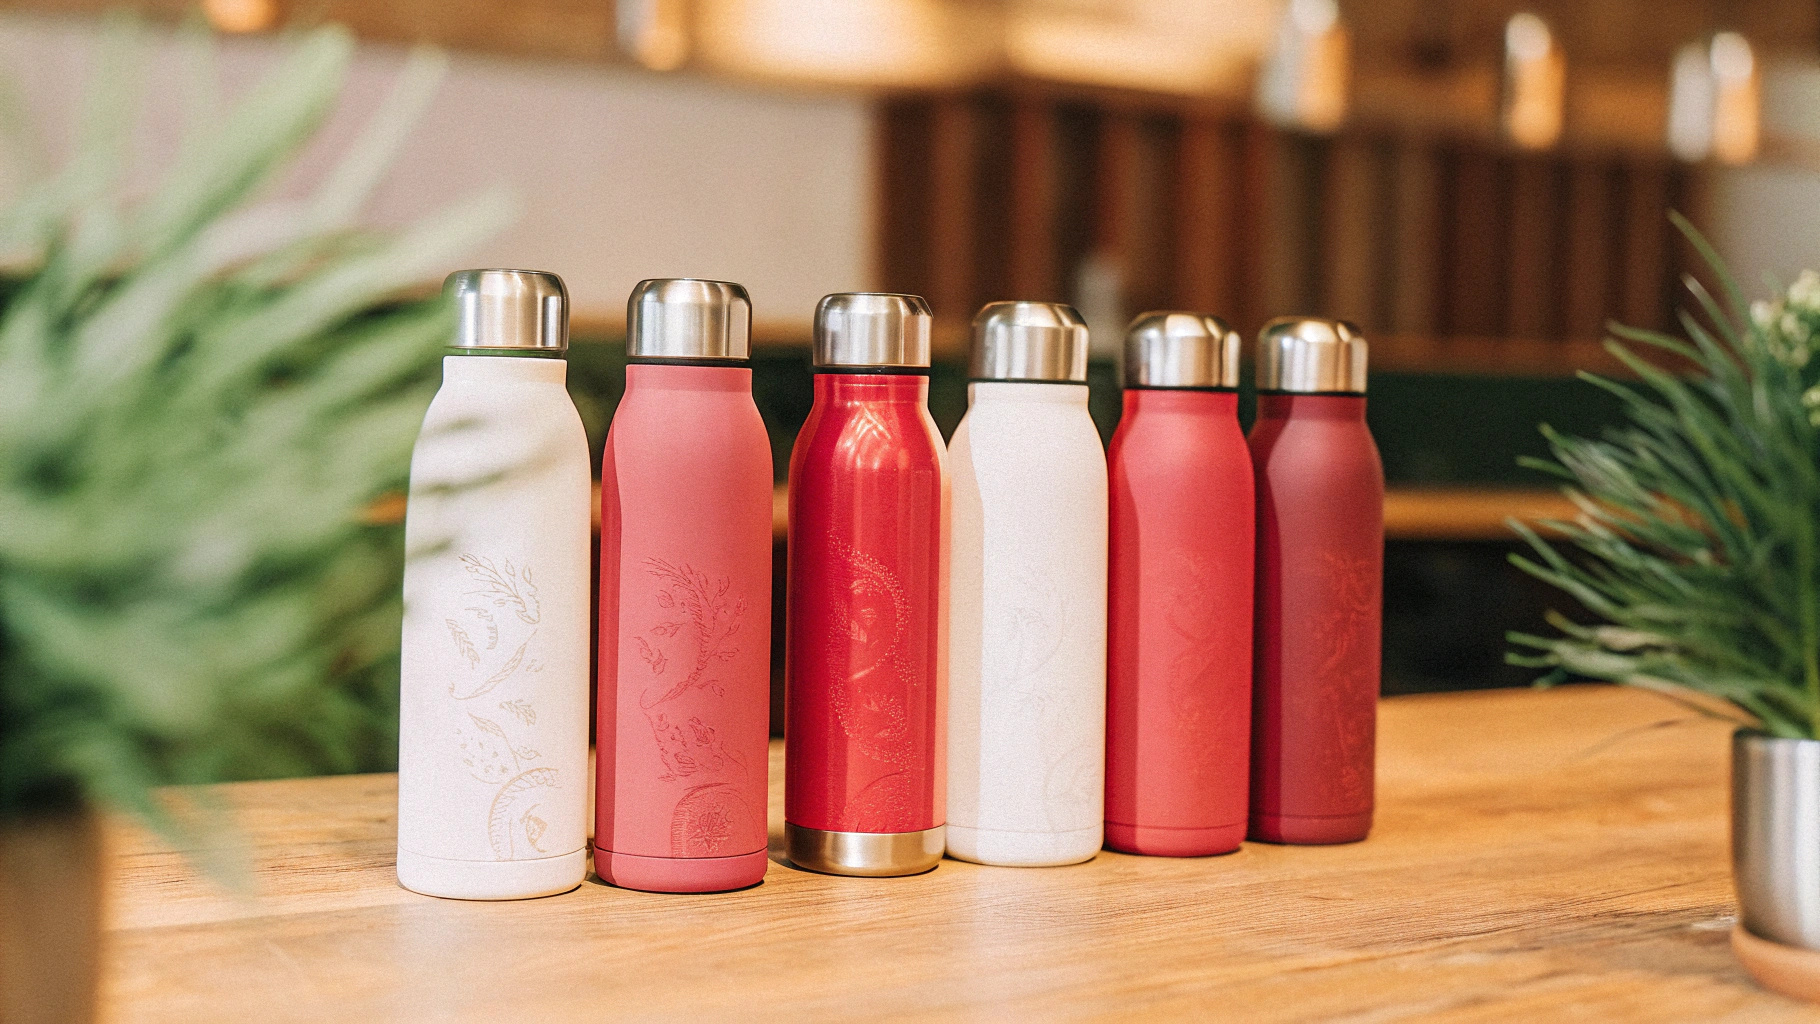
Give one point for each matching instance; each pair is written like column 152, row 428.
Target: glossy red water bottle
column 1178, row 697
column 685, row 601
column 867, row 659
column 1320, row 586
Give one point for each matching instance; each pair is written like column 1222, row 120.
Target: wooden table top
column 1538, row 856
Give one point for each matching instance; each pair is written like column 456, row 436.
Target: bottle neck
column 872, row 388
column 1311, row 407
column 1181, row 401
column 1028, row 392
column 683, row 377
column 496, row 369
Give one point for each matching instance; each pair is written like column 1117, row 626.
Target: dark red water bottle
column 867, row 661
column 1178, row 699
column 1320, row 585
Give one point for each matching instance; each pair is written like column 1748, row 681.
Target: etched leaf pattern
column 652, row 656
column 498, row 677
column 875, row 615
column 499, row 815
column 710, row 815
column 1352, row 584
column 485, row 747
column 534, row 828
column 463, row 643
column 505, row 584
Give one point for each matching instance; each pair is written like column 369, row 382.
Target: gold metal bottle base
column 869, row 854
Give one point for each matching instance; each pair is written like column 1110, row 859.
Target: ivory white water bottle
column 1027, row 578
column 493, row 711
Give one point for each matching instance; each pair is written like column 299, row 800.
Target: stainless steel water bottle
column 1027, row 590
column 493, row 709
column 1178, row 722
column 685, row 600
column 868, row 590
column 1320, row 586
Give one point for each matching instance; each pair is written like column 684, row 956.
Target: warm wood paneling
column 1517, row 260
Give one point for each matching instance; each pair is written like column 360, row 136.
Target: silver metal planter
column 1776, row 837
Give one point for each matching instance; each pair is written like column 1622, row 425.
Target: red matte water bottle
column 685, row 601
column 1320, row 586
column 1178, row 697
column 867, row 661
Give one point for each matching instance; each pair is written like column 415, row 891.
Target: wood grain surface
column 1538, row 856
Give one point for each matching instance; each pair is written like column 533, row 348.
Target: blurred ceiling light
column 1714, row 104
column 241, row 15
column 1535, row 83
column 1304, row 81
column 655, row 33
column 1088, row 50
column 1210, row 46
column 1737, row 107
column 896, row 43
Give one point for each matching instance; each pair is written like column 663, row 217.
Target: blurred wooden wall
column 1454, row 252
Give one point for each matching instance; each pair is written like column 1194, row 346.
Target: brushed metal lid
column 1044, row 341
column 1310, row 355
column 509, row 309
column 872, row 330
column 688, row 318
column 1175, row 349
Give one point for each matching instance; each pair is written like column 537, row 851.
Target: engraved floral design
column 491, row 757
column 1030, row 626
column 464, row 644
column 499, row 816
column 485, row 748
column 868, row 630
column 503, row 585
column 506, row 585
column 1189, row 684
column 698, row 625
column 505, row 672
column 707, row 821
column 1352, row 587
column 712, row 618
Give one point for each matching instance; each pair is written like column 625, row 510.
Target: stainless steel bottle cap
column 1181, row 350
column 1029, row 341
column 509, row 309
column 1308, row 355
column 687, row 318
column 872, row 330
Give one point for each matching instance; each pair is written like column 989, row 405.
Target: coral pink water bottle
column 867, row 661
column 1178, row 720
column 685, row 601
column 1320, row 584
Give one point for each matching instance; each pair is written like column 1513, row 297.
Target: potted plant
column 201, row 397
column 1698, row 545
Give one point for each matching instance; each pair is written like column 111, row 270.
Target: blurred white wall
column 621, row 174
column 1766, row 217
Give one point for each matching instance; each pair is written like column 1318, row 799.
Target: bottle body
column 1027, row 646
column 867, row 629
column 1320, row 508
column 1178, row 722
column 685, row 614
column 493, row 730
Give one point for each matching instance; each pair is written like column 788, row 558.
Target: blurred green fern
column 201, row 394
column 1699, row 535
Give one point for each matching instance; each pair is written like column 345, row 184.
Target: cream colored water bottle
column 493, row 731
column 1027, row 577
